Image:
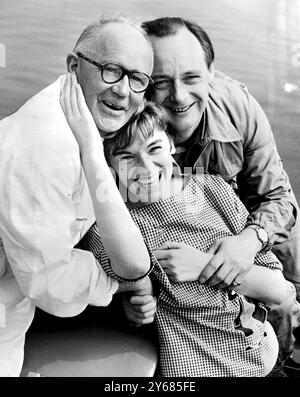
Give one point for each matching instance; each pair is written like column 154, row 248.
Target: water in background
column 256, row 41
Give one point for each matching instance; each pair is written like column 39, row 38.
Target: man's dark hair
column 163, row 27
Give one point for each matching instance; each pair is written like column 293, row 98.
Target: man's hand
column 233, row 258
column 181, row 262
column 140, row 305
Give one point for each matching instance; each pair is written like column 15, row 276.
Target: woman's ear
column 72, row 62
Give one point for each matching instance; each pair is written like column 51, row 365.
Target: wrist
column 90, row 146
column 93, row 153
column 252, row 241
column 260, row 235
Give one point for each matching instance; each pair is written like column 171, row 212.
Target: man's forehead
column 116, row 34
column 182, row 47
column 125, row 44
column 118, row 28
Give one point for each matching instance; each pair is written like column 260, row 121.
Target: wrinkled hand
column 140, row 307
column 78, row 115
column 233, row 258
column 181, row 262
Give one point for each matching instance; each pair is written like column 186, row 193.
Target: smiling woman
column 179, row 216
column 142, row 156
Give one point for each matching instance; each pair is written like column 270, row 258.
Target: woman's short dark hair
column 163, row 27
column 148, row 117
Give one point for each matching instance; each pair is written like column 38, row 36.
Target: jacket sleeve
column 263, row 184
column 41, row 193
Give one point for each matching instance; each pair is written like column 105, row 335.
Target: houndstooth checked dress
column 202, row 331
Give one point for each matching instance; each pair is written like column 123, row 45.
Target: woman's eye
column 155, row 149
column 192, row 79
column 126, row 157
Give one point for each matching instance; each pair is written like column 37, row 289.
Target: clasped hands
column 227, row 260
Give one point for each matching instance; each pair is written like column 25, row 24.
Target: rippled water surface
column 256, row 41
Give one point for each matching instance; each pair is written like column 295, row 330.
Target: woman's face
column 145, row 167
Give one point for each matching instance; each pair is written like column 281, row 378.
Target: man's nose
column 179, row 91
column 122, row 87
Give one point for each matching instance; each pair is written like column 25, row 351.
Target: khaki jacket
column 236, row 141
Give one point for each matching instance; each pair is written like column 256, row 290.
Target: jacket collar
column 218, row 125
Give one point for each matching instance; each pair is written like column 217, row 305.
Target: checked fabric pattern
column 202, row 331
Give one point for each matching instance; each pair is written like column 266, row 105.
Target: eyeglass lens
column 111, row 73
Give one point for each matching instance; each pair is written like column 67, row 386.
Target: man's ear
column 72, row 62
column 211, row 72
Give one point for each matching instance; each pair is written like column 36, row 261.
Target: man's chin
column 108, row 134
column 108, row 128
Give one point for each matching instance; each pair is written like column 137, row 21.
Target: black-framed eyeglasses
column 112, row 73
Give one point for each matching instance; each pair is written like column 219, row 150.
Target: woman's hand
column 232, row 260
column 140, row 305
column 181, row 262
column 78, row 115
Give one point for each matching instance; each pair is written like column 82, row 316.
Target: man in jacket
column 219, row 128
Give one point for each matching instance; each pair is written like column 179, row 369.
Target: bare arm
column 264, row 284
column 121, row 239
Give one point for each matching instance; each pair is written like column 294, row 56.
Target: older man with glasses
column 112, row 73
column 45, row 204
